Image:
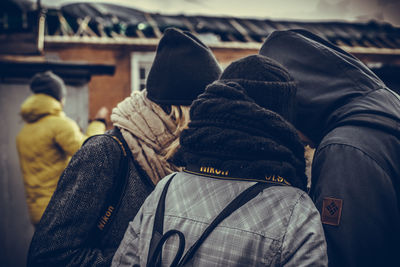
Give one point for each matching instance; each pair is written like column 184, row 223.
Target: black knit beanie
column 181, row 70
column 50, row 84
column 266, row 81
column 230, row 130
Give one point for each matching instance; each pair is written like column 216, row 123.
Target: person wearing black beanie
column 234, row 142
column 147, row 124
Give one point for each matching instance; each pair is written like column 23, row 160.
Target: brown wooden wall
column 226, row 56
column 103, row 90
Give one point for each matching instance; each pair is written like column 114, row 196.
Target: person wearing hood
column 47, row 140
column 353, row 119
column 238, row 139
column 147, row 125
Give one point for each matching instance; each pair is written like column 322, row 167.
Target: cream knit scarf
column 148, row 130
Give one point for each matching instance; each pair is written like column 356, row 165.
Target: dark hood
column 334, row 87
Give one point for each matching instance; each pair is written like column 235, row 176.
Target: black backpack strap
column 113, row 200
column 158, row 227
column 158, row 239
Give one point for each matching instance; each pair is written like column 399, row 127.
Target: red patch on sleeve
column 331, row 211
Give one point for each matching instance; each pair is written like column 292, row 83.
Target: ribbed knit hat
column 229, row 131
column 181, row 70
column 48, row 83
column 265, row 81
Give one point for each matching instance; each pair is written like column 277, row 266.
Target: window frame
column 137, row 58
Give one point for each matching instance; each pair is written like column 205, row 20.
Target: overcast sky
column 383, row 10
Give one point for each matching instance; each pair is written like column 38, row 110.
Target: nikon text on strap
column 212, row 172
column 113, row 200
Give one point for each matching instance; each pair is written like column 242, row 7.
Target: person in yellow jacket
column 48, row 140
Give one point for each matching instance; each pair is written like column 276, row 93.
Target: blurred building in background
column 127, row 38
column 105, row 51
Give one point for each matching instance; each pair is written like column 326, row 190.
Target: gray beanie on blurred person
column 48, row 83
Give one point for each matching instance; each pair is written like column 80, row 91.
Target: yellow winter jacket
column 45, row 144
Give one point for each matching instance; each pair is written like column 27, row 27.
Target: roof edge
column 137, row 41
column 371, row 50
column 232, row 45
column 71, row 72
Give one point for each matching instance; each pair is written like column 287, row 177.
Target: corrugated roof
column 107, row 23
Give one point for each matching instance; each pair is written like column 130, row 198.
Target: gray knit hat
column 181, row 70
column 266, row 81
column 50, row 84
column 238, row 125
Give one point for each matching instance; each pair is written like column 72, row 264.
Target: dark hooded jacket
column 354, row 120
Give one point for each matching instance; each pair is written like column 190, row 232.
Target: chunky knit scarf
column 229, row 131
column 147, row 129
